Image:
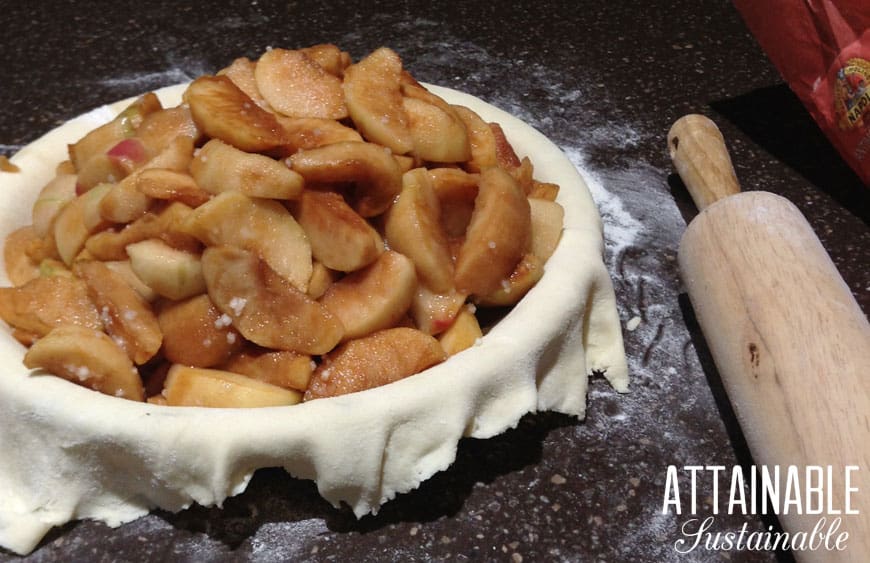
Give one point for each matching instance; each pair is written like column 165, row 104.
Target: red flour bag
column 822, row 49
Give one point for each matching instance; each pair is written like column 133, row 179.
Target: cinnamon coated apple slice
column 340, row 238
column 529, row 271
column 278, row 367
column 161, row 128
column 481, row 140
column 199, row 387
column 87, row 357
column 163, row 224
column 161, row 183
column 297, row 86
column 497, row 235
column 126, row 316
column 170, row 272
column 372, row 91
column 52, row 198
column 435, row 312
column 124, row 202
column 462, row 334
column 329, row 56
column 44, row 303
column 370, row 167
column 196, row 333
column 124, row 126
column 222, row 110
column 413, row 228
column 260, row 225
column 305, row 133
column 20, row 267
column 547, row 219
column 264, row 307
column 373, row 298
column 380, row 358
column 438, row 134
column 241, row 72
column 219, row 167
column 77, row 220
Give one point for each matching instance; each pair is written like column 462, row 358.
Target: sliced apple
column 221, row 110
column 264, row 307
column 413, row 89
column 198, row 387
column 51, row 267
column 44, row 303
column 434, row 312
column 278, row 367
column 297, row 86
column 373, row 298
column 456, row 191
column 99, row 140
column 546, row 230
column 20, row 267
column 371, row 167
column 219, row 167
column 123, row 268
column 372, row 91
column 340, row 238
column 161, row 183
column 380, row 358
column 481, row 140
column 331, row 58
column 86, row 357
column 526, row 274
column 412, row 227
column 405, row 162
column 321, row 278
column 77, row 220
column 125, row 203
column 544, row 190
column 241, row 72
column 112, row 166
column 52, row 198
column 259, row 225
column 196, row 333
column 497, row 235
column 127, row 317
column 170, row 272
column 462, row 334
column 163, row 224
column 305, row 133
column 160, row 128
column 438, row 135
column 504, row 151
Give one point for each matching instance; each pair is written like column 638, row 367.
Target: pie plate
column 69, row 453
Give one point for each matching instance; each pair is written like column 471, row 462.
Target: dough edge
column 69, row 453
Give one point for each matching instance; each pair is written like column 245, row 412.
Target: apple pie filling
column 300, row 227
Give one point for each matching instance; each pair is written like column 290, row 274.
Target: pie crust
column 69, row 453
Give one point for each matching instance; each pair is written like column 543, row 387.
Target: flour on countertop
column 149, row 80
column 270, row 542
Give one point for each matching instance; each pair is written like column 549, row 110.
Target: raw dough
column 69, row 453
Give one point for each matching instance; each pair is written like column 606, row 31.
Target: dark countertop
column 604, row 80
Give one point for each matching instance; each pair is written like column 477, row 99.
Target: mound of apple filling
column 300, row 227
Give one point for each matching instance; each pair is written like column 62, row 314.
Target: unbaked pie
column 304, row 236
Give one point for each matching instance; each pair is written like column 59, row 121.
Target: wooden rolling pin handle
column 701, row 159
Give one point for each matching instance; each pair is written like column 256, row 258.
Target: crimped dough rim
column 69, row 453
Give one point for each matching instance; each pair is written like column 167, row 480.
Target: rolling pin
column 790, row 342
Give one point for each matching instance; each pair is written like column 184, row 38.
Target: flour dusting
column 270, row 543
column 149, row 80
